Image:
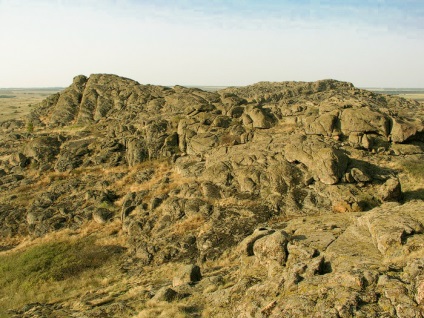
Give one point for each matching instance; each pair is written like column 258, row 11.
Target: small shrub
column 30, row 127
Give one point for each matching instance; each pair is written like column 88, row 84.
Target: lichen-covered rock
column 136, row 151
column 364, row 120
column 359, row 176
column 166, row 294
column 188, row 275
column 260, row 117
column 43, row 149
column 327, row 164
column 271, row 248
column 390, row 190
column 402, row 130
column 19, row 159
column 72, row 155
column 101, row 215
column 321, row 125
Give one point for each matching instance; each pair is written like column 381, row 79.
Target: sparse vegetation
column 415, row 169
column 189, row 224
column 51, row 269
column 413, row 178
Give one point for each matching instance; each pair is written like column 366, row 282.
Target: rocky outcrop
column 288, row 196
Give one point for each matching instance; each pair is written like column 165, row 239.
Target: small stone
column 101, row 215
column 366, row 142
column 390, row 190
column 420, row 290
column 166, row 294
column 359, row 175
column 189, row 275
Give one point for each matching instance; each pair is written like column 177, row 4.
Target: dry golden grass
column 189, row 224
column 103, row 231
column 162, row 309
column 234, row 202
column 162, row 169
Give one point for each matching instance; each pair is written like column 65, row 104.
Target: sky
column 45, row 43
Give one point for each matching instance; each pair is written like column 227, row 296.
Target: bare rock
column 72, row 155
column 420, row 290
column 188, row 275
column 389, row 229
column 364, row 120
column 271, row 248
column 201, row 143
column 101, row 215
column 166, row 294
column 196, row 172
column 260, row 117
column 136, row 151
column 327, row 164
column 43, row 149
column 403, row 130
column 67, row 106
column 246, row 246
column 321, row 125
column 19, row 159
column 359, row 176
column 390, row 190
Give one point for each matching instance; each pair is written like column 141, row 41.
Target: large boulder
column 364, row 120
column 190, row 274
column 321, row 125
column 403, row 130
column 259, row 117
column 328, row 165
column 136, row 151
column 391, row 190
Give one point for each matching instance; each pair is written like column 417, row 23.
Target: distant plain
column 15, row 103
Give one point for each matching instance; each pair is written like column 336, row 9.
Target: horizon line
column 224, row 86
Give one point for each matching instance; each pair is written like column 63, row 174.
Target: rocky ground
column 288, row 199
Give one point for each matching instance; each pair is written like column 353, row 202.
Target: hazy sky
column 376, row 43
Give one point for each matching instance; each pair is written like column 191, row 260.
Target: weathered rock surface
column 288, row 195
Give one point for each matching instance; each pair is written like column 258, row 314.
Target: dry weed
column 189, row 224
